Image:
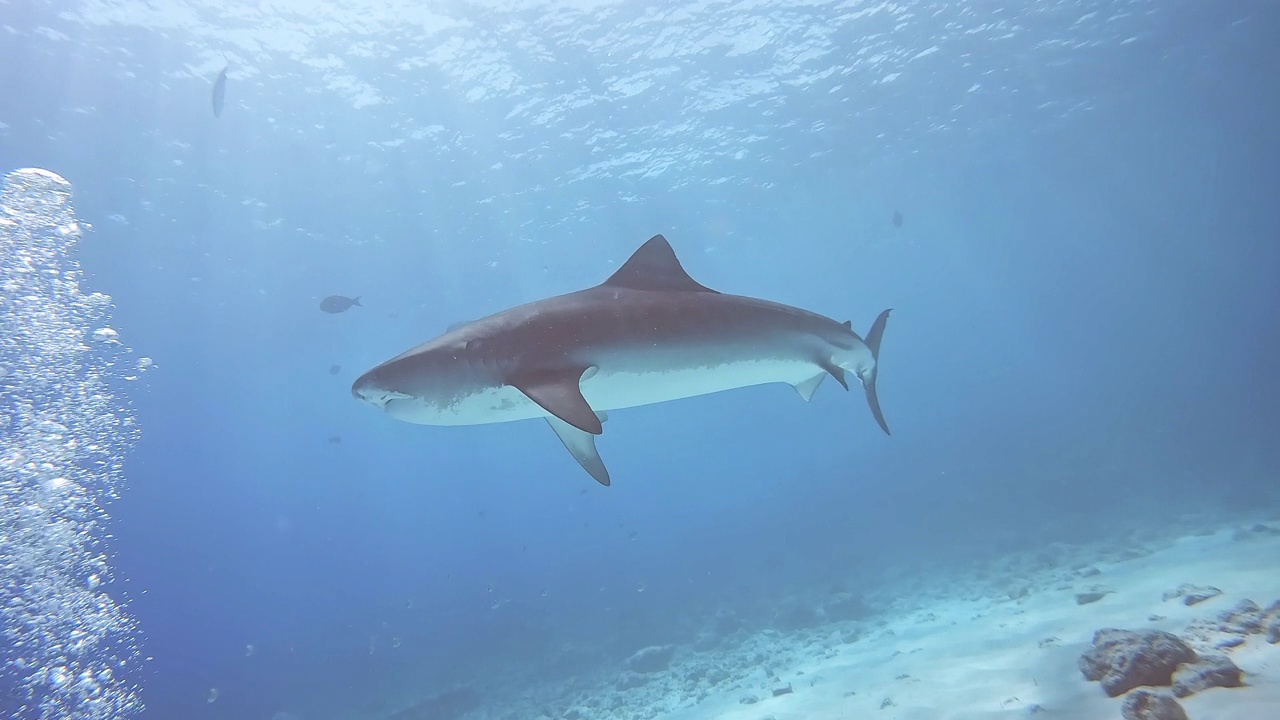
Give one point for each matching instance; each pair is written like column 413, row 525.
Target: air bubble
column 69, row 436
column 106, row 335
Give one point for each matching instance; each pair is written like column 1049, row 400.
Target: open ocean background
column 1086, row 284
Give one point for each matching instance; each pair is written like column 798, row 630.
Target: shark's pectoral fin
column 559, row 392
column 582, row 446
column 810, row 386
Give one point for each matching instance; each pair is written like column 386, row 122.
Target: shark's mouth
column 384, row 399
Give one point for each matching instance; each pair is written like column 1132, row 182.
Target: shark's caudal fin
column 868, row 378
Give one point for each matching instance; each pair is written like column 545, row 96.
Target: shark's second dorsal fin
column 655, row 267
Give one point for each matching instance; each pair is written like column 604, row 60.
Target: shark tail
column 356, row 301
column 868, row 378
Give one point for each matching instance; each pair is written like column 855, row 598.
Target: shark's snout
column 373, row 389
column 366, row 389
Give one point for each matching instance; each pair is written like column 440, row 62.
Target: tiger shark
column 648, row 334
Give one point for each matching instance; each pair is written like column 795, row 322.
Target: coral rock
column 1193, row 594
column 1208, row 672
column 1124, row 659
column 654, row 658
column 1243, row 619
column 1149, row 705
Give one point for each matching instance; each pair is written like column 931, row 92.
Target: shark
column 648, row 334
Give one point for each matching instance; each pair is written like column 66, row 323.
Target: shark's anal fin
column 810, row 386
column 582, row 446
column 559, row 392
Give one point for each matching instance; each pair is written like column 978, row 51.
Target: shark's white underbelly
column 607, row 391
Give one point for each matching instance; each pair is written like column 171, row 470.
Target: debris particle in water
column 219, row 97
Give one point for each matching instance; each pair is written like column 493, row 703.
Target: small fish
column 335, row 440
column 334, row 369
column 337, row 303
column 897, row 219
column 220, row 92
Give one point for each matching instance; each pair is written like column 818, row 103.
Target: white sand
column 1003, row 644
column 980, row 659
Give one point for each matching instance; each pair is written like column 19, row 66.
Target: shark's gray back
column 620, row 325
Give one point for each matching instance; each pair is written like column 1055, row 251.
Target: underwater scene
column 639, row 360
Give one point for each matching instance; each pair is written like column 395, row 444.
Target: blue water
column 1084, row 284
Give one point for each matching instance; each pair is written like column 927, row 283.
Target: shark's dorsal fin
column 655, row 267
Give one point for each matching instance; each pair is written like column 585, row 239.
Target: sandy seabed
column 968, row 652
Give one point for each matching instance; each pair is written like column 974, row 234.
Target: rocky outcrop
column 630, row 680
column 1209, row 671
column 652, row 659
column 1151, row 705
column 1126, row 660
column 1243, row 619
column 1092, row 596
column 1122, row 660
column 1192, row 594
column 1232, row 627
column 1273, row 622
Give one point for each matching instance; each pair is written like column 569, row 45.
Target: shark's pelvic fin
column 655, row 267
column 836, row 372
column 559, row 392
column 582, row 446
column 869, row 378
